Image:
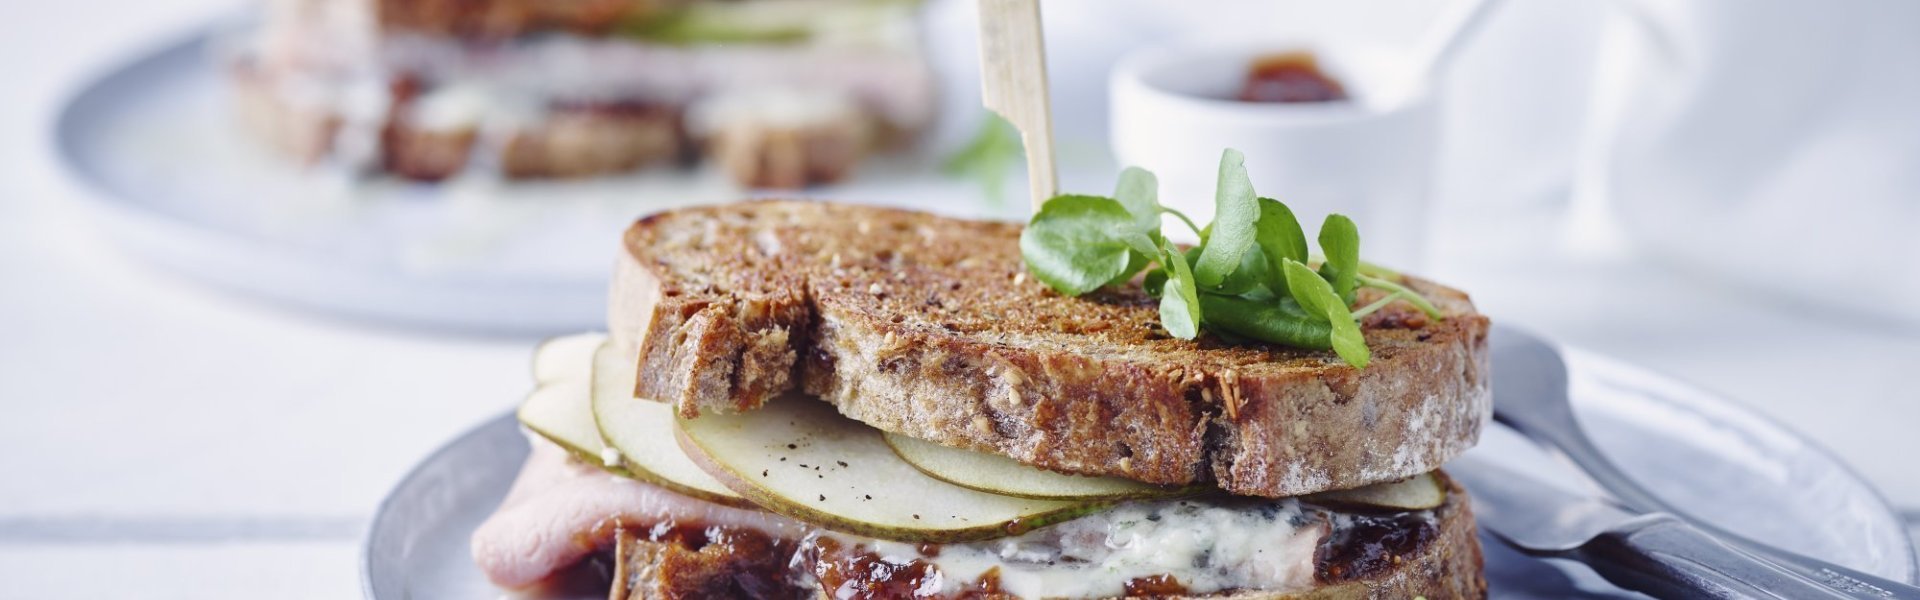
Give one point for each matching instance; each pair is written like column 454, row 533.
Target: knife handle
column 1856, row 583
column 1665, row 557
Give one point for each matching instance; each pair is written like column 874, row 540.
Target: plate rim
column 1580, row 356
column 382, row 511
column 1704, row 394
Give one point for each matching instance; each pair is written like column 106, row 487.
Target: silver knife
column 1655, row 553
column 1530, row 395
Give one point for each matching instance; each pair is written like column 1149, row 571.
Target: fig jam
column 857, row 573
column 1155, row 585
column 1363, row 545
column 1289, row 77
column 705, row 561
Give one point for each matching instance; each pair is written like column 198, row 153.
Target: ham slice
column 559, row 511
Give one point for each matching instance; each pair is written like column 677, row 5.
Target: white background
column 161, row 439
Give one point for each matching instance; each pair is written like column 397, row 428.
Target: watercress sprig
column 992, row 153
column 1249, row 278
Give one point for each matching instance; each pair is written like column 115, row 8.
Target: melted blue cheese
column 1207, row 547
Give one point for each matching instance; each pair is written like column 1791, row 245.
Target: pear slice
column 642, row 432
column 557, row 408
column 798, row 457
column 1419, row 492
column 997, row 474
column 558, row 411
column 565, row 357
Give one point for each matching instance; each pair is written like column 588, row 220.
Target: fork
column 1530, row 396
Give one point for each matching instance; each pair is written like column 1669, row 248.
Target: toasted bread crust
column 1449, row 567
column 928, row 326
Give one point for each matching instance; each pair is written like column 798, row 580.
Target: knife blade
column 1654, row 553
column 1013, row 82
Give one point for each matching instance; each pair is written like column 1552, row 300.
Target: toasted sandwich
column 803, row 399
column 779, row 93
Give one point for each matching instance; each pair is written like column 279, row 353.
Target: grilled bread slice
column 928, row 326
column 1444, row 562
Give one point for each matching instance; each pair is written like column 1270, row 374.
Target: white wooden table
column 178, row 442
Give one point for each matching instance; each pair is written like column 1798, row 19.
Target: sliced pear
column 1419, row 492
column 798, row 457
column 566, row 357
column 557, row 409
column 559, row 412
column 997, row 474
column 642, row 432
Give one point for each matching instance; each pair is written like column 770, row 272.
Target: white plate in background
column 178, row 184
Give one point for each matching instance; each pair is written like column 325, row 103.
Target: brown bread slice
column 1448, row 567
column 929, row 326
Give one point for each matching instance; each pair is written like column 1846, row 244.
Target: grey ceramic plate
column 1747, row 473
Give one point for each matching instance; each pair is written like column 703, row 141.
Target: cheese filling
column 1205, row 546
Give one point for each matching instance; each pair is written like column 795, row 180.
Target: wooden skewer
column 1013, row 82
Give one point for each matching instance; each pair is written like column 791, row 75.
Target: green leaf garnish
column 1135, row 262
column 1367, row 268
column 1404, row 293
column 1280, row 238
column 1232, row 229
column 1301, row 287
column 1154, row 282
column 1179, row 300
column 1197, row 231
column 1247, row 279
column 1266, row 321
column 987, row 158
column 1340, row 240
column 1316, row 295
column 1139, row 192
column 1075, row 244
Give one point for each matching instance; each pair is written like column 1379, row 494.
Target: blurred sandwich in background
column 780, row 93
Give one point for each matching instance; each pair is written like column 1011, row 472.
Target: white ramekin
column 1370, row 158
